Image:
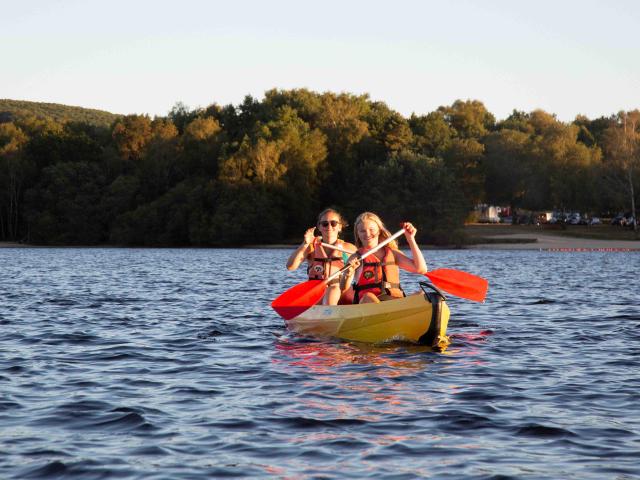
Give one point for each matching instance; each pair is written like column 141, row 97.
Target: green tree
column 561, row 162
column 413, row 187
column 65, row 145
column 518, row 120
column 342, row 120
column 592, row 131
column 201, row 143
column 158, row 166
column 284, row 155
column 119, row 197
column 507, row 167
column 246, row 213
column 15, row 169
column 131, row 134
column 470, row 118
column 464, row 158
column 181, row 116
column 179, row 217
column 621, row 145
column 388, row 132
column 64, row 207
column 307, row 104
column 431, row 134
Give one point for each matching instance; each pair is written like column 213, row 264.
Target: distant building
column 488, row 213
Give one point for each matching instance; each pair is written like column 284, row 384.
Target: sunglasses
column 325, row 223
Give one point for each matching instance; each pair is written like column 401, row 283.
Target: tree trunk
column 2, row 232
column 14, row 198
column 633, row 202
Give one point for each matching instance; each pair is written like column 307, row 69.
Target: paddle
column 303, row 296
column 456, row 282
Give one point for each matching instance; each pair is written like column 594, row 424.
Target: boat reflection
column 359, row 381
column 323, row 357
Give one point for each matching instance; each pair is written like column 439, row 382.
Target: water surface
column 141, row 363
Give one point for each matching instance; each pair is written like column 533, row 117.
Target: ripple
column 536, row 430
column 50, row 470
column 312, row 423
column 544, row 301
column 8, row 405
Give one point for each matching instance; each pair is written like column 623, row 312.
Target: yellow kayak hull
column 419, row 318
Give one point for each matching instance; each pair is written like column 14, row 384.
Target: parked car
column 594, row 221
column 624, row 220
column 619, row 219
column 573, row 219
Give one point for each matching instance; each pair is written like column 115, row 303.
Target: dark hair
column 343, row 222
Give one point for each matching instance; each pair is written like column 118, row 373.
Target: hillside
column 61, row 113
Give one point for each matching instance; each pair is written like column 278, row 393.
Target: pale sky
column 566, row 57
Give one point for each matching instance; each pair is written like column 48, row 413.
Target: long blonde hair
column 384, row 233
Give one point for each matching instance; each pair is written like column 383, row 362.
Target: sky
column 563, row 56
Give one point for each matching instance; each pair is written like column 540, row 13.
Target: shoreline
column 523, row 241
column 547, row 242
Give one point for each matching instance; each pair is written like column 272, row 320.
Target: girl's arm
column 417, row 263
column 300, row 253
column 347, row 277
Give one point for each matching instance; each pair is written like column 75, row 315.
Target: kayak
column 420, row 318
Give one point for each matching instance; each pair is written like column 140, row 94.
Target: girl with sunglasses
column 377, row 276
column 323, row 261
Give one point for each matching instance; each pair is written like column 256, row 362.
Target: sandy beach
column 541, row 241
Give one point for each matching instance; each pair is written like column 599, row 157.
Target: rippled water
column 136, row 363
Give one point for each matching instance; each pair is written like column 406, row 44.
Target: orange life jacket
column 378, row 277
column 322, row 265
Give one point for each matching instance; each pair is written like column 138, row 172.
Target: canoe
column 420, row 318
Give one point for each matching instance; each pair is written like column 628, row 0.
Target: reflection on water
column 169, row 364
column 321, row 357
column 379, row 386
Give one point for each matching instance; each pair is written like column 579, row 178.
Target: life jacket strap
column 380, row 285
column 384, row 287
column 327, row 259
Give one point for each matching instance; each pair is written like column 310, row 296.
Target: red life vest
column 321, row 265
column 378, row 277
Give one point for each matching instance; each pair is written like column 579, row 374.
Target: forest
column 259, row 172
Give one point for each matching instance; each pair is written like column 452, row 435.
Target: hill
column 10, row 109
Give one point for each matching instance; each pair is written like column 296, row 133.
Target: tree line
column 55, row 111
column 260, row 171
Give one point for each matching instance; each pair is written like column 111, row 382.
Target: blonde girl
column 377, row 277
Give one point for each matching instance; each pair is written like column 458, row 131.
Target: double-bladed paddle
column 456, row 282
column 303, row 296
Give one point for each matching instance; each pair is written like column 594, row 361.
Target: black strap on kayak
column 435, row 297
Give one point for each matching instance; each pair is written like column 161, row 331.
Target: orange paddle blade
column 459, row 283
column 299, row 298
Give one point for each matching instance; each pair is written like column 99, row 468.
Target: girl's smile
column 368, row 231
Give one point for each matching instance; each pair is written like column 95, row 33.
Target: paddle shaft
column 456, row 282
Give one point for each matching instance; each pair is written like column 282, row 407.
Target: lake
column 169, row 363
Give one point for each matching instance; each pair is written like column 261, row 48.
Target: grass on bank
column 480, row 233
